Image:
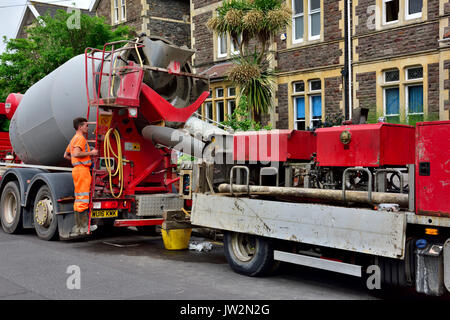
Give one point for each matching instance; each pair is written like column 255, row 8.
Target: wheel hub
column 43, row 213
column 244, row 247
column 10, row 209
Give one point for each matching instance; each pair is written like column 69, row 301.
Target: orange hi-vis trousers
column 82, row 181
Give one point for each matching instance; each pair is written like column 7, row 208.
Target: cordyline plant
column 255, row 80
column 245, row 20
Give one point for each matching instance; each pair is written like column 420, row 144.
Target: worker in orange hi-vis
column 79, row 153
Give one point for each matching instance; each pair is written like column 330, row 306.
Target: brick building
column 400, row 63
column 397, row 56
column 167, row 19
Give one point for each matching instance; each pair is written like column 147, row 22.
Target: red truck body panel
column 371, row 145
column 5, row 144
column 275, row 145
column 433, row 168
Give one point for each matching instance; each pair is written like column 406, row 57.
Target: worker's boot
column 84, row 218
column 76, row 230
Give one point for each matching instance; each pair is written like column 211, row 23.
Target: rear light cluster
column 110, row 204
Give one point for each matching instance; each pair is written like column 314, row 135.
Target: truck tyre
column 249, row 255
column 11, row 210
column 44, row 217
column 397, row 272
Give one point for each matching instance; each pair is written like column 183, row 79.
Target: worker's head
column 79, row 123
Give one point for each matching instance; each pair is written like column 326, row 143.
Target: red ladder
column 127, row 94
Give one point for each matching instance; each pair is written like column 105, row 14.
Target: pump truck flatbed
column 354, row 198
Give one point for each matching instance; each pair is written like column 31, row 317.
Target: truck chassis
column 258, row 233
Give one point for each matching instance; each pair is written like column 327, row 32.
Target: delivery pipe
column 177, row 139
column 202, row 129
column 323, row 194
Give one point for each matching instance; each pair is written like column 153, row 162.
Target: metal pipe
column 202, row 130
column 175, row 138
column 323, row 194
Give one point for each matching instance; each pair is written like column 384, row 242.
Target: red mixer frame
column 148, row 168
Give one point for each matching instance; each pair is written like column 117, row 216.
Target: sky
column 11, row 11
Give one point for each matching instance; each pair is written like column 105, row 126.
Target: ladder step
column 92, row 122
column 319, row 263
column 91, row 141
column 138, row 222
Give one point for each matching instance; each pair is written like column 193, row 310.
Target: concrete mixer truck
column 136, row 96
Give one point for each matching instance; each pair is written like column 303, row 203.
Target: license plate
column 105, row 213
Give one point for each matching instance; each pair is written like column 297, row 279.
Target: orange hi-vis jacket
column 81, row 175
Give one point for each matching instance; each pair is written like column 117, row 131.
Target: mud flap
column 447, row 264
column 66, row 222
column 430, row 270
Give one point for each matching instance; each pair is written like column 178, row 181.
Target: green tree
column 240, row 119
column 245, row 20
column 50, row 43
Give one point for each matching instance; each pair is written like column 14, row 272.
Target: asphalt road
column 129, row 265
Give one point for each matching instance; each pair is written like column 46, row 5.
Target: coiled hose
column 107, row 148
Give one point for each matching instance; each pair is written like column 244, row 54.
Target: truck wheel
column 249, row 255
column 11, row 210
column 44, row 217
column 394, row 271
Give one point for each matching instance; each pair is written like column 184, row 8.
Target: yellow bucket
column 176, row 239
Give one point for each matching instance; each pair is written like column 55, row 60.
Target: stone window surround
column 402, row 84
column 291, row 42
column 230, row 47
column 403, row 19
column 307, row 94
column 403, row 9
column 121, row 10
column 412, row 82
column 214, row 99
column 414, row 15
column 219, row 46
